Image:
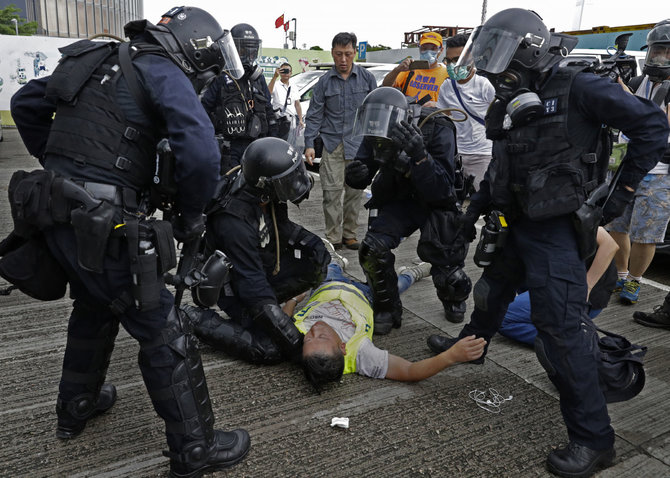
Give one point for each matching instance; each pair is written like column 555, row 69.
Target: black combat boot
column 439, row 343
column 659, row 318
column 578, row 461
column 84, row 370
column 454, row 312
column 73, row 414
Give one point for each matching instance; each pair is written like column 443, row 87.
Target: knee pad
column 452, row 285
column 480, row 294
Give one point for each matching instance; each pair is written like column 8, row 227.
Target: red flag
column 279, row 21
column 286, row 26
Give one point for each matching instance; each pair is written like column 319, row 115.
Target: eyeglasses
column 451, row 60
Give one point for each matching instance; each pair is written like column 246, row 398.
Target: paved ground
column 426, row 429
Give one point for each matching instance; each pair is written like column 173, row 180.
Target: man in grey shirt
column 331, row 114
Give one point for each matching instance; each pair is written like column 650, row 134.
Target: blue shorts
column 646, row 220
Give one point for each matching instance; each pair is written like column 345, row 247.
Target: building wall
column 80, row 18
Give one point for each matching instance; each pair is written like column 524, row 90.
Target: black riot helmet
column 382, row 108
column 247, row 42
column 512, row 49
column 657, row 61
column 272, row 167
column 195, row 41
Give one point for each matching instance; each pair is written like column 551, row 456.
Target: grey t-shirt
column 370, row 361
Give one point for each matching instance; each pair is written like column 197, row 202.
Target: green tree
column 7, row 27
column 316, row 47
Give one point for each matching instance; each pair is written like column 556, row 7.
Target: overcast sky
column 384, row 21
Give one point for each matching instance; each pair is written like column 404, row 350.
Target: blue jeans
column 335, row 273
column 517, row 324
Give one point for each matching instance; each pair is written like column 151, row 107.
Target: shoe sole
column 627, row 301
column 651, row 324
column 605, row 462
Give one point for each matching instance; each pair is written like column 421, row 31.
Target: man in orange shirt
column 418, row 83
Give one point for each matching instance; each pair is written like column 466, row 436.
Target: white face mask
column 429, row 55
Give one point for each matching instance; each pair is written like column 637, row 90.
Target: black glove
column 614, row 207
column 466, row 223
column 280, row 328
column 187, row 228
column 409, row 138
column 356, row 174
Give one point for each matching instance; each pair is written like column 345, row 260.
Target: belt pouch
column 92, row 229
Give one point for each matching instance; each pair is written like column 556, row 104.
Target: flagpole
column 295, row 32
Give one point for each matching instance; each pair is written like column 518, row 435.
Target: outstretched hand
column 467, row 349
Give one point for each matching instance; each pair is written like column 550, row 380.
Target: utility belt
column 98, row 212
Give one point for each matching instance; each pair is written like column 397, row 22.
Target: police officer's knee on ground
column 272, row 258
column 413, row 188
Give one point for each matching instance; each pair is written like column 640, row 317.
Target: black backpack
column 621, row 369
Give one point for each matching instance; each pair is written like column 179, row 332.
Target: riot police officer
column 545, row 126
column 414, row 188
column 112, row 102
column 272, row 258
column 241, row 108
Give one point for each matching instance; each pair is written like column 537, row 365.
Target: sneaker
column 659, row 318
column 336, row 258
column 630, row 292
column 619, row 286
column 416, row 272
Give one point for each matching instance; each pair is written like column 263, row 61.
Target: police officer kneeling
column 545, row 126
column 272, row 258
column 112, row 103
column 414, row 187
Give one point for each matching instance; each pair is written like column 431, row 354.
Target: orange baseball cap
column 431, row 37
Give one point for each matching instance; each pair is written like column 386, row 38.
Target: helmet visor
column 233, row 64
column 658, row 55
column 293, row 184
column 490, row 49
column 377, row 119
column 248, row 49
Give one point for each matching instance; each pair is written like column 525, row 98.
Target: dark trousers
column 543, row 254
column 92, row 294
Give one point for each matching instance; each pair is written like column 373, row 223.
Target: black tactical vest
column 90, row 128
column 241, row 109
column 538, row 170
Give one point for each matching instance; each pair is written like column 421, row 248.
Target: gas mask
column 252, row 72
column 513, row 88
column 385, row 151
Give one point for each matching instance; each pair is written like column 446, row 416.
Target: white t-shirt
column 279, row 97
column 370, row 361
column 645, row 91
column 477, row 94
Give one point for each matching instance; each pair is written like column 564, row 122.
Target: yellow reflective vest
column 356, row 304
